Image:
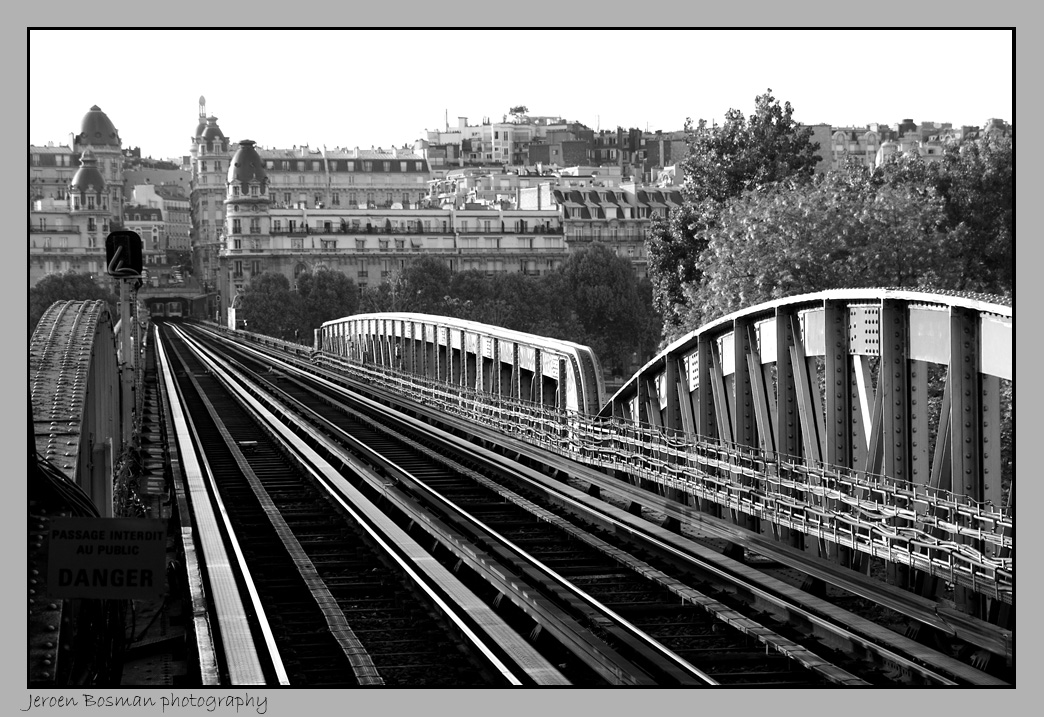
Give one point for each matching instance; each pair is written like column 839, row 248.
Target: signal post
column 123, row 262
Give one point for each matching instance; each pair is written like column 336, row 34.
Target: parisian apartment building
column 515, row 195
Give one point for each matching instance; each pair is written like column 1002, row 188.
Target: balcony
column 53, row 230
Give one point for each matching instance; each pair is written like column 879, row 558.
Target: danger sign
column 106, row 558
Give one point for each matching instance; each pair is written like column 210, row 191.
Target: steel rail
column 488, row 531
column 237, row 640
column 949, row 621
column 362, row 665
column 611, row 666
column 412, row 559
column 952, row 666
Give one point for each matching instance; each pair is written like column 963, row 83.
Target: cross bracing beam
column 930, row 529
column 912, row 386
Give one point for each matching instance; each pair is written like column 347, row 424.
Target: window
column 36, row 160
column 270, row 165
column 237, row 269
column 367, row 165
column 328, row 244
column 387, row 166
column 90, row 224
column 418, row 166
column 253, row 190
column 336, row 199
column 236, row 226
column 277, row 225
column 286, row 197
column 360, row 245
column 404, row 166
column 255, row 267
column 300, row 179
column 202, row 166
column 237, row 243
column 235, row 190
column 351, row 166
column 90, row 201
column 297, row 243
column 255, row 225
column 315, row 166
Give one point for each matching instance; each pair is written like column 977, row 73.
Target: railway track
column 697, row 627
column 327, row 598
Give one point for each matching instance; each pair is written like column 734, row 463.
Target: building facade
column 148, row 223
column 68, row 234
column 76, row 199
column 369, row 244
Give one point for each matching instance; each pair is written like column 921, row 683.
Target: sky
column 363, row 88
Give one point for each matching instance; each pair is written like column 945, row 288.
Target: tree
column 742, row 154
column 66, row 287
column 800, row 237
column 604, row 292
column 424, row 285
column 270, row 308
column 723, row 163
column 471, row 296
column 675, row 246
column 975, row 180
column 325, row 295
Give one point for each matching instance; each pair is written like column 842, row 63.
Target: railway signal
column 123, row 254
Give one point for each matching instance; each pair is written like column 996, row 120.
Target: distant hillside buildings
column 498, row 197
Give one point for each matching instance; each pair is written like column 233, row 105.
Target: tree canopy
column 325, row 295
column 270, row 308
column 758, row 224
column 795, row 238
column 604, row 293
column 745, row 153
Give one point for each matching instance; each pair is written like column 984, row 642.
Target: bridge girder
column 74, row 391
column 908, row 385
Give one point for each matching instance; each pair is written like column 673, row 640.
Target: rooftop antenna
column 447, row 119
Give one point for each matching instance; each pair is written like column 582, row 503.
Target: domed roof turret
column 212, row 131
column 246, row 165
column 88, row 178
column 98, row 130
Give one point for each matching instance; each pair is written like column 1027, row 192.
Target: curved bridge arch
column 512, row 364
column 74, row 390
column 751, row 378
column 913, row 387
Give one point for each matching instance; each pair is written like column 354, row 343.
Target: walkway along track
column 350, row 601
column 622, row 573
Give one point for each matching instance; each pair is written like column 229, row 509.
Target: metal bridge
column 850, row 424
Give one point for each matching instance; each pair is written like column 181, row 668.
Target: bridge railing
column 946, row 535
